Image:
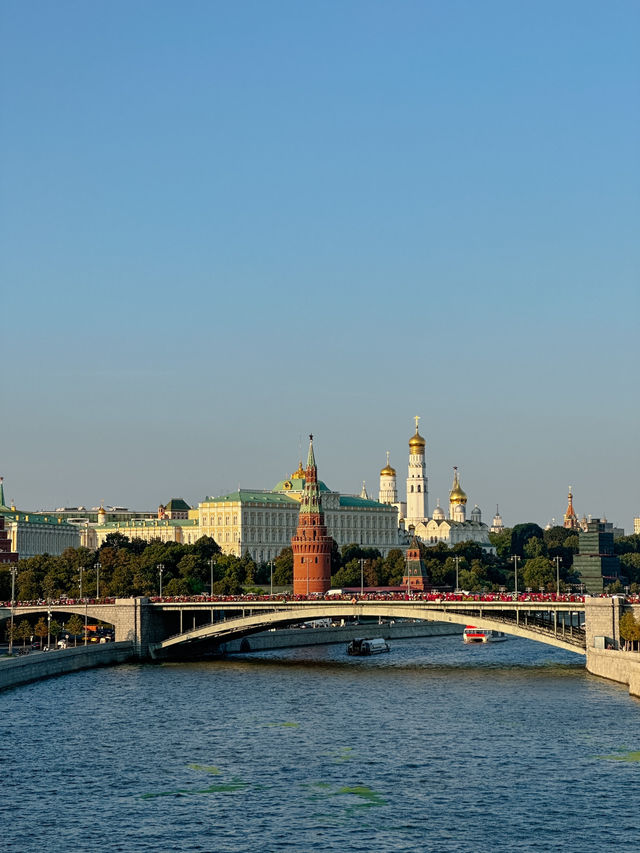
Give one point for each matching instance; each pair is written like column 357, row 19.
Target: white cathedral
column 413, row 514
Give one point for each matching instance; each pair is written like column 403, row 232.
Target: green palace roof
column 297, row 485
column 248, row 496
column 177, row 504
column 147, row 523
column 36, row 518
column 363, row 503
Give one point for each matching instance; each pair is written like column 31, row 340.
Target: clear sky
column 225, row 225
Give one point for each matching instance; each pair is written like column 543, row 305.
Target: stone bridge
column 187, row 628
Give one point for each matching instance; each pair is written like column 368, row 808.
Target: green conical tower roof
column 2, row 503
column 311, row 459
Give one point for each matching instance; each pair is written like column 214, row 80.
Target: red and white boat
column 471, row 634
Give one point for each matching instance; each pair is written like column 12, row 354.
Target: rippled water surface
column 435, row 746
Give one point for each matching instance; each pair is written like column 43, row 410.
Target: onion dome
column 417, row 442
column 438, row 513
column 388, row 471
column 457, row 495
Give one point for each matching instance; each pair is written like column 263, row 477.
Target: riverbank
column 289, row 638
column 619, row 666
column 22, row 670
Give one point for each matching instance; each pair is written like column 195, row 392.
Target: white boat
column 472, row 634
column 363, row 646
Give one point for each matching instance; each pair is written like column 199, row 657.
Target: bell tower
column 417, row 483
column 311, row 545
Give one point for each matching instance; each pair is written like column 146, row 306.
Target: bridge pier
column 137, row 622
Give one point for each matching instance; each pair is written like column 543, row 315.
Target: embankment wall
column 623, row 667
column 287, row 638
column 35, row 666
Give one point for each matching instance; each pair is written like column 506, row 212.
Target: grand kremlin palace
column 262, row 523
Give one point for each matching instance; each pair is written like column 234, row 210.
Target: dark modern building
column 595, row 561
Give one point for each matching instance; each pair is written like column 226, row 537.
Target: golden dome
column 457, row 495
column 388, row 471
column 416, row 443
column 300, row 473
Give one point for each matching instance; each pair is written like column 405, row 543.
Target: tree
column 348, row 575
column 177, row 586
column 55, row 628
column 40, row 629
column 75, row 626
column 521, row 534
column 538, row 572
column 502, row 543
column 283, row 568
column 629, row 629
column 116, row 541
column 631, row 564
column 24, row 632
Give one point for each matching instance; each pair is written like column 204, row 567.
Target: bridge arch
column 238, row 627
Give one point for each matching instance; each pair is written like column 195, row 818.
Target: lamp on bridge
column 97, row 567
column 81, row 573
column 160, row 568
column 13, row 571
column 515, row 563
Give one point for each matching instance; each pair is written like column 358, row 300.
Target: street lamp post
column 48, row 630
column 558, row 575
column 515, row 563
column 211, row 564
column 457, row 559
column 81, row 574
column 160, row 571
column 361, row 576
column 97, row 567
column 14, row 571
column 271, row 577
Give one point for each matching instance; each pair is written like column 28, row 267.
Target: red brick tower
column 415, row 578
column 311, row 545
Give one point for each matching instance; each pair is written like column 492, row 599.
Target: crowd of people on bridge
column 335, row 595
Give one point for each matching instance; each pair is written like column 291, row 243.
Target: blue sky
column 225, row 225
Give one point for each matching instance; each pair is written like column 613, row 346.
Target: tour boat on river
column 472, row 634
column 362, row 646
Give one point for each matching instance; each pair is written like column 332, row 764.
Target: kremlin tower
column 415, row 577
column 311, row 544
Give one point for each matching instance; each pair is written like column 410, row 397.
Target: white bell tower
column 417, row 483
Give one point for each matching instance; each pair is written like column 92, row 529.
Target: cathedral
column 413, row 514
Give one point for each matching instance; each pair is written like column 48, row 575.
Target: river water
column 434, row 747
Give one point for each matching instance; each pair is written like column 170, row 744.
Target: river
column 436, row 746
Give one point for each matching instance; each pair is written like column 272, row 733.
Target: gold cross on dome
column 417, row 418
